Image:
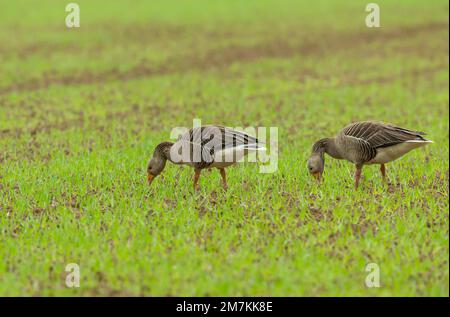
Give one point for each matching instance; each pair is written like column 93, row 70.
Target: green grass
column 82, row 110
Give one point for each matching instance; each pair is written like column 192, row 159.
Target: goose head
column 316, row 165
column 158, row 162
column 154, row 168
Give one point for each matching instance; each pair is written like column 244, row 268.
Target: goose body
column 393, row 152
column 204, row 147
column 237, row 153
column 367, row 142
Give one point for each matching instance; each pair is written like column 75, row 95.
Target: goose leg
column 383, row 172
column 357, row 176
column 196, row 177
column 224, row 178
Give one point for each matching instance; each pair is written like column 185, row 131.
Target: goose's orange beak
column 318, row 176
column 150, row 178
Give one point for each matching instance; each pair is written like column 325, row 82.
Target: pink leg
column 383, row 172
column 357, row 176
column 224, row 178
column 196, row 177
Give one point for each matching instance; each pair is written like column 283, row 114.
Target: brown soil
column 329, row 43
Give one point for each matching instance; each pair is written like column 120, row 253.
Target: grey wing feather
column 379, row 134
column 232, row 138
column 209, row 139
column 213, row 137
column 355, row 149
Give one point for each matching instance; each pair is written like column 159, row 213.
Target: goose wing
column 204, row 141
column 379, row 135
column 218, row 137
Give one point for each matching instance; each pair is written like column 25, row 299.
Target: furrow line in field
column 219, row 58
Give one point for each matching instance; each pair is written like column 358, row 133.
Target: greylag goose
column 203, row 147
column 364, row 143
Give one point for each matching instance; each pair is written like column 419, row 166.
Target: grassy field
column 81, row 111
